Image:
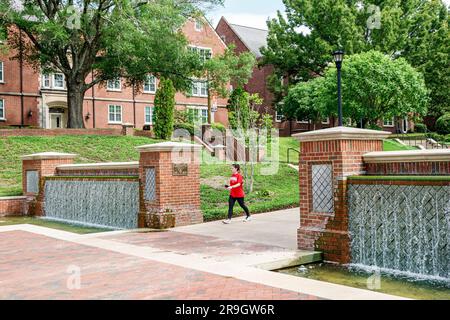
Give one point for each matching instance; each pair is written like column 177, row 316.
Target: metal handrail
column 288, row 153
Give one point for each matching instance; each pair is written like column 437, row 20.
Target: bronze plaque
column 180, row 169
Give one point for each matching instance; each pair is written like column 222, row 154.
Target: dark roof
column 253, row 38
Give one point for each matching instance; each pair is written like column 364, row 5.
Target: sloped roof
column 253, row 38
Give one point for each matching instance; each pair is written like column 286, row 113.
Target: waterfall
column 401, row 228
column 112, row 204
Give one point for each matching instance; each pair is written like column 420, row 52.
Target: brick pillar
column 169, row 175
column 34, row 168
column 127, row 129
column 327, row 158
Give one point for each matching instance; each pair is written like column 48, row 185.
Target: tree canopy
column 374, row 86
column 110, row 38
column 300, row 45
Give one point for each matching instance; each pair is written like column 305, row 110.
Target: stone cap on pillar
column 168, row 147
column 342, row 133
column 49, row 156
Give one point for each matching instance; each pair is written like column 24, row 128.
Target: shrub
column 374, row 126
column 443, row 124
column 447, row 138
column 164, row 109
column 218, row 126
column 420, row 128
column 187, row 126
column 435, row 136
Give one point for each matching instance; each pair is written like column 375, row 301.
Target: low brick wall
column 409, row 168
column 59, row 132
column 13, row 206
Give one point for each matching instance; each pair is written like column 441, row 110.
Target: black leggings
column 232, row 201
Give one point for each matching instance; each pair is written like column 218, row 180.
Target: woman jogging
column 236, row 193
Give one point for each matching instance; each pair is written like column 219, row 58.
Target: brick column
column 169, row 175
column 328, row 157
column 34, row 168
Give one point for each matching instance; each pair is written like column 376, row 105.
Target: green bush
column 164, row 109
column 420, row 128
column 447, row 138
column 374, row 126
column 435, row 136
column 218, row 126
column 188, row 126
column 443, row 124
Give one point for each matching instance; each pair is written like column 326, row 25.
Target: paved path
column 277, row 228
column 39, row 263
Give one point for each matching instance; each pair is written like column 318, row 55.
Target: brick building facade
column 28, row 98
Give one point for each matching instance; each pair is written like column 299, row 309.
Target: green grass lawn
column 272, row 192
column 391, row 145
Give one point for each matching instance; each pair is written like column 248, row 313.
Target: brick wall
column 177, row 200
column 13, row 206
column 424, row 168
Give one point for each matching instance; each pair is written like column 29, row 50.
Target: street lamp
column 338, row 57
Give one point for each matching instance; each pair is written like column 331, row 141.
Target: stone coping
column 13, row 198
column 100, row 166
column 169, row 146
column 341, row 133
column 49, row 156
column 439, row 155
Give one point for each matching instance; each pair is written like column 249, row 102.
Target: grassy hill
column 270, row 192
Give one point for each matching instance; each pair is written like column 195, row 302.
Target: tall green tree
column 374, row 85
column 164, row 109
column 229, row 67
column 110, row 38
column 300, row 45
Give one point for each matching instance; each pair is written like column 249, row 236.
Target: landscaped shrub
column 374, row 126
column 443, row 124
column 218, row 126
column 188, row 126
column 420, row 128
column 164, row 109
column 435, row 136
column 447, row 138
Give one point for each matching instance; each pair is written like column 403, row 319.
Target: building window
column 326, row 121
column 2, row 109
column 279, row 116
column 199, row 88
column 198, row 114
column 1, row 72
column 58, row 81
column 303, row 121
column 149, row 115
column 150, row 84
column 389, row 123
column 115, row 114
column 114, row 85
column 204, row 53
column 198, row 25
column 46, row 81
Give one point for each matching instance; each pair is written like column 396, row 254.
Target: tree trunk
column 75, row 98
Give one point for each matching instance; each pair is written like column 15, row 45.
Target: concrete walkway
column 277, row 228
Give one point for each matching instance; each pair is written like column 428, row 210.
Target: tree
column 300, row 45
column 109, row 38
column 164, row 109
column 227, row 68
column 374, row 86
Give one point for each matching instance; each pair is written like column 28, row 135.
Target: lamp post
column 338, row 57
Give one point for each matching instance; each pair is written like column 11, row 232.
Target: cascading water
column 113, row 204
column 401, row 228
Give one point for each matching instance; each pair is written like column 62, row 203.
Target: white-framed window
column 303, row 121
column 199, row 88
column 204, row 53
column 2, row 109
column 389, row 122
column 279, row 117
column 115, row 114
column 114, row 85
column 2, row 76
column 149, row 113
column 198, row 25
column 150, row 84
column 46, row 81
column 326, row 120
column 200, row 113
column 58, row 81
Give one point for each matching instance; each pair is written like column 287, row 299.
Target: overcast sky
column 252, row 13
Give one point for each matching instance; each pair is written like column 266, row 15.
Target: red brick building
column 28, row 98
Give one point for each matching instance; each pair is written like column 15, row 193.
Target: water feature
column 403, row 229
column 403, row 286
column 96, row 203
